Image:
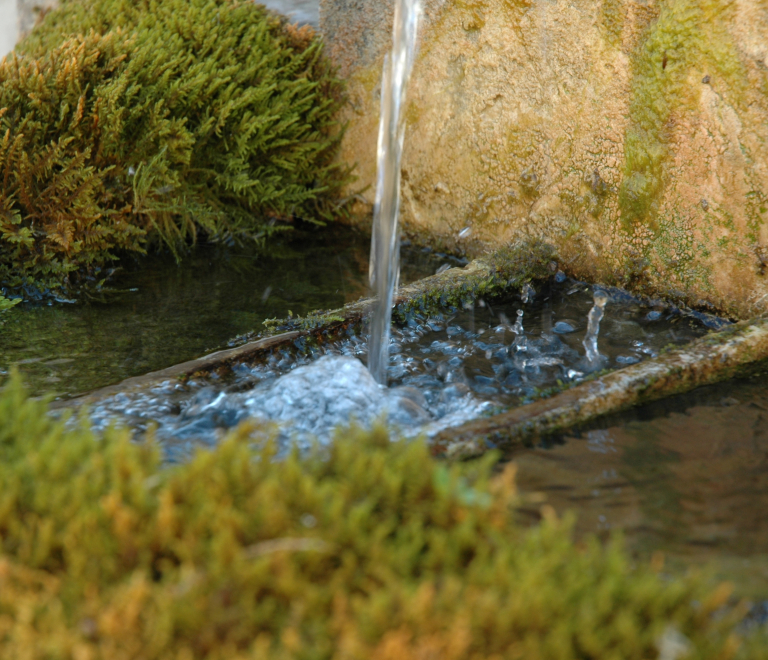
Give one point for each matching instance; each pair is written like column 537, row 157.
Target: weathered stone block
column 633, row 135
column 30, row 11
column 8, row 26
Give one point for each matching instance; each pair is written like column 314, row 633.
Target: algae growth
column 128, row 124
column 685, row 36
column 371, row 550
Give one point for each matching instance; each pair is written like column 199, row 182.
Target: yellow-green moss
column 613, row 15
column 368, row 550
column 130, row 122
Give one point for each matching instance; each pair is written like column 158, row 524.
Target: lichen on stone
column 630, row 135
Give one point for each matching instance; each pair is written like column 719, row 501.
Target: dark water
column 163, row 313
column 687, row 476
column 512, row 350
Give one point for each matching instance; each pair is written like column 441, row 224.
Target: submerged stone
column 441, row 372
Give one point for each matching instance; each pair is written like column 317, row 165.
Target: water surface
column 686, row 476
column 161, row 313
column 445, row 369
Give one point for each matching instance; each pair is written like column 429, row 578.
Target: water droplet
column 527, row 293
column 518, row 327
column 308, row 520
column 593, row 326
column 563, row 328
column 465, row 233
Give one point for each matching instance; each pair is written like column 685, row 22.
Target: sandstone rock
column 632, row 134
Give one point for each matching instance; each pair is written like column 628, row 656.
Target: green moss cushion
column 124, row 123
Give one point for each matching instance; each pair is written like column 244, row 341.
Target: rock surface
column 631, row 134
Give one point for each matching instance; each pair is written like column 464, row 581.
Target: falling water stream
column 594, row 359
column 385, row 256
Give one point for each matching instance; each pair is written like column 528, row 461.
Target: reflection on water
column 687, row 476
column 164, row 313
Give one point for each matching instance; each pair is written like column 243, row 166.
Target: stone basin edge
column 318, row 328
column 710, row 359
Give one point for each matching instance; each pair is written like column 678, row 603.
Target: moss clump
column 372, row 550
column 125, row 122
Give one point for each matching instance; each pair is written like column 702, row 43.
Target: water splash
column 444, row 369
column 527, row 293
column 385, row 256
column 521, row 343
column 593, row 327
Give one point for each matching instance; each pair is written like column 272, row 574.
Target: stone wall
column 8, row 26
column 30, row 10
column 632, row 134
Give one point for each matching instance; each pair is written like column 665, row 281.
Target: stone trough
column 718, row 356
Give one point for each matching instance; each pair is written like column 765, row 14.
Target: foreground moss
column 124, row 123
column 372, row 550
